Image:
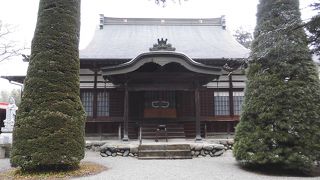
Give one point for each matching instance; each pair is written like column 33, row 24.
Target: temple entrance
column 150, row 109
column 160, row 116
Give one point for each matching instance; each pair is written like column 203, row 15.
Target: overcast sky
column 23, row 13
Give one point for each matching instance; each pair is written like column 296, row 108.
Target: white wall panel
column 86, row 71
column 220, row 85
column 239, row 84
column 239, row 78
column 87, row 78
column 86, row 85
column 108, row 85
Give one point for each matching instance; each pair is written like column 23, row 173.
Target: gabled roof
column 126, row 38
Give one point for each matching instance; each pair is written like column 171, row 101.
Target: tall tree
column 280, row 122
column 49, row 129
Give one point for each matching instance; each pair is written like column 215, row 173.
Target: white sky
column 23, row 13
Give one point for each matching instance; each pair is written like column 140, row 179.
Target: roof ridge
column 220, row 21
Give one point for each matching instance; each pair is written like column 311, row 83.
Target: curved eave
column 162, row 58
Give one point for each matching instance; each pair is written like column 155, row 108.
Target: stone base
column 5, row 150
column 6, row 138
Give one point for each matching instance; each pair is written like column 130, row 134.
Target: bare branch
column 8, row 47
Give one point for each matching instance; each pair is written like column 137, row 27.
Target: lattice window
column 103, row 104
column 87, row 102
column 221, row 103
column 237, row 102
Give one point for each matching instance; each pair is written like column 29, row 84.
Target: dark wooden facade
column 184, row 111
column 189, row 80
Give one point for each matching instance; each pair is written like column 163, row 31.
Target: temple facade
column 139, row 74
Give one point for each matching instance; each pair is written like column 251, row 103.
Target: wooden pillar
column 95, row 94
column 230, row 102
column 126, row 113
column 231, row 96
column 197, row 109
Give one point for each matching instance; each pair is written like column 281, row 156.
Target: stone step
column 165, row 151
column 165, row 147
column 165, row 154
column 161, row 157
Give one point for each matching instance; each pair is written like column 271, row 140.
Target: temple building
column 141, row 74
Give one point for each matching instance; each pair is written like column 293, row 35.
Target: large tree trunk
column 49, row 129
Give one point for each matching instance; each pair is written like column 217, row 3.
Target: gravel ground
column 218, row 168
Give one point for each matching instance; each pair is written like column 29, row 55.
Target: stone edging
column 130, row 150
column 207, row 150
column 228, row 143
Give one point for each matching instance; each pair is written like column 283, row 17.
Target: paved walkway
column 218, row 168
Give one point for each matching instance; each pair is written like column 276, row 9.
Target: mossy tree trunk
column 49, row 129
column 280, row 122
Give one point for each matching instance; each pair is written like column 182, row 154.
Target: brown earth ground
column 85, row 169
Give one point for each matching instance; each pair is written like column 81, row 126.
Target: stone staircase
column 164, row 151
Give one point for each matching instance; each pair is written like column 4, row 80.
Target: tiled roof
column 126, row 38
